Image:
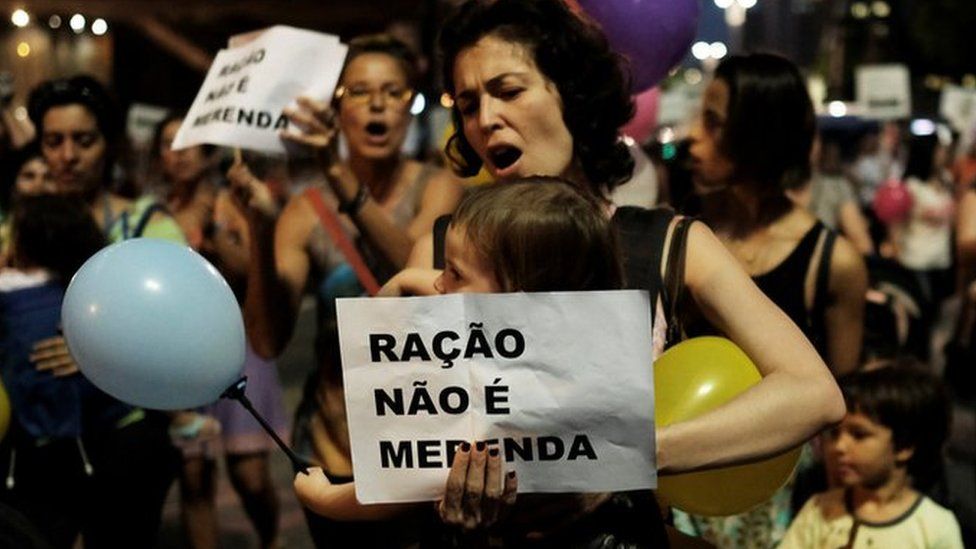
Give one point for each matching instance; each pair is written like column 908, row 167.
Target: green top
column 128, row 223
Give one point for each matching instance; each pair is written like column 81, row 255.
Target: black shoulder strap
column 145, row 217
column 674, row 287
column 822, row 286
column 440, row 232
column 642, row 233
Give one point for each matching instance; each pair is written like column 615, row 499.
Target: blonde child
column 538, row 234
column 888, row 446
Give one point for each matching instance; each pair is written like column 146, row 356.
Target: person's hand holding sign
column 319, row 129
column 475, row 497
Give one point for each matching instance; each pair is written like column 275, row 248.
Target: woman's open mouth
column 504, row 157
column 377, row 132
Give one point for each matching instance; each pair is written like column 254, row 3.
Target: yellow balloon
column 691, row 378
column 4, row 411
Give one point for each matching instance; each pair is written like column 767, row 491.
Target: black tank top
column 785, row 286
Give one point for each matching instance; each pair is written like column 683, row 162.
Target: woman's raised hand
column 250, row 193
column 314, row 124
column 477, row 496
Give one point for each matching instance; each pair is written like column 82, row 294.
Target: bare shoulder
column 705, row 256
column 297, row 220
column 794, row 225
column 443, row 181
column 846, row 263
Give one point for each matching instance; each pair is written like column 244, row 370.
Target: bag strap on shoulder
column 642, row 235
column 330, row 222
column 674, row 283
column 822, row 285
column 145, row 216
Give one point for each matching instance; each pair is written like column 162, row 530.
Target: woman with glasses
column 378, row 202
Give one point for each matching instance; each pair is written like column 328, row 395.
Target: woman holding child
column 523, row 111
column 538, row 91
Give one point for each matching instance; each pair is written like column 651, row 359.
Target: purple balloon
column 654, row 34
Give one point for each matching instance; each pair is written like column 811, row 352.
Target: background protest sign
column 248, row 85
column 561, row 383
column 884, row 92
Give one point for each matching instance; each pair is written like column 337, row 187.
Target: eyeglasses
column 362, row 95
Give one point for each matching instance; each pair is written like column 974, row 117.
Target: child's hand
column 411, row 281
column 51, row 355
column 308, row 486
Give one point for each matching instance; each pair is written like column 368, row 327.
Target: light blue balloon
column 152, row 323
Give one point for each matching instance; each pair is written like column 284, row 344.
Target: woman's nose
column 68, row 150
column 488, row 115
column 377, row 101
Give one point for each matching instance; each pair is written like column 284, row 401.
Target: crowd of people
column 861, row 324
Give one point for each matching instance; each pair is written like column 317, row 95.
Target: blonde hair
column 541, row 234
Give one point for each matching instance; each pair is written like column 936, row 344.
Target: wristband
column 352, row 207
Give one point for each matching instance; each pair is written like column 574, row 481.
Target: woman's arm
column 278, row 261
column 966, row 238
column 846, row 291
column 230, row 240
column 855, row 227
column 422, row 254
column 797, row 396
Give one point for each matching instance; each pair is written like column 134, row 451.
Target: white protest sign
column 884, row 92
column 561, row 383
column 679, row 103
column 240, row 102
column 958, row 106
column 141, row 122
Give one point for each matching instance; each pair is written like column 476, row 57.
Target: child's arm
column 411, row 281
column 338, row 501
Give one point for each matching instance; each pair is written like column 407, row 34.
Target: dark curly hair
column 81, row 90
column 572, row 52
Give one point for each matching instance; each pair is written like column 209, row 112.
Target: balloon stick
column 236, row 392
